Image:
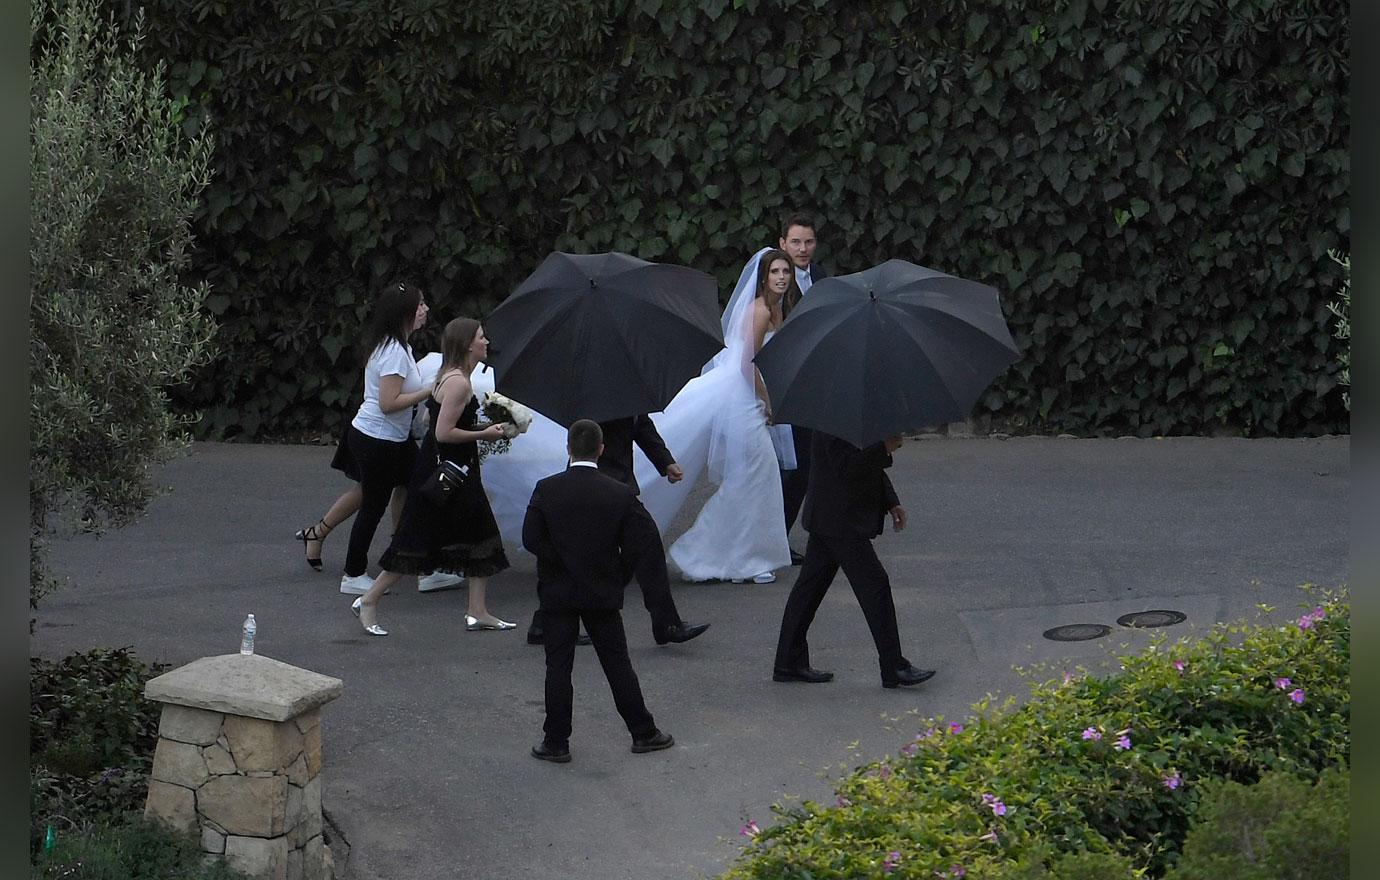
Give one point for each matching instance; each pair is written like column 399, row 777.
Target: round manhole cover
column 1149, row 619
column 1077, row 632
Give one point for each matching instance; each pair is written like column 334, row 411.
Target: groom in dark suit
column 850, row 497
column 616, row 460
column 589, row 534
column 798, row 241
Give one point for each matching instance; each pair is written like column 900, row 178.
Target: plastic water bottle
column 247, row 635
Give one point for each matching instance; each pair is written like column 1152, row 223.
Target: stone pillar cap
column 244, row 684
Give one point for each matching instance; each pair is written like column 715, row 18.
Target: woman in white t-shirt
column 378, row 437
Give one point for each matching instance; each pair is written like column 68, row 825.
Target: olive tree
column 113, row 323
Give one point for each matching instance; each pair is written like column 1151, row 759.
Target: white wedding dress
column 713, row 427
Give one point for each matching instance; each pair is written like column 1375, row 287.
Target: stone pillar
column 239, row 762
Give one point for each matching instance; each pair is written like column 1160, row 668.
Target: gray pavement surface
column 427, row 772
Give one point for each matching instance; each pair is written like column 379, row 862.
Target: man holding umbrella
column 609, row 338
column 850, row 497
column 868, row 356
column 616, row 459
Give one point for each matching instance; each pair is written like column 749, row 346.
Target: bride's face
column 778, row 278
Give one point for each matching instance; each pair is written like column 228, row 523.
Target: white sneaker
column 357, row 585
column 439, row 580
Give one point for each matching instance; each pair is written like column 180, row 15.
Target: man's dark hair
column 584, row 438
column 799, row 218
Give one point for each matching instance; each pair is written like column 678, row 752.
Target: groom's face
column 799, row 242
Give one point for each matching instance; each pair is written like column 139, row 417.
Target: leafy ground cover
column 1093, row 777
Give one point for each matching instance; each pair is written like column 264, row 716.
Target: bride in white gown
column 717, row 423
column 740, row 533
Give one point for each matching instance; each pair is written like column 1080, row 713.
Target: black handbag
column 442, row 487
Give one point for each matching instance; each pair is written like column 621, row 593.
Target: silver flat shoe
column 474, row 624
column 372, row 629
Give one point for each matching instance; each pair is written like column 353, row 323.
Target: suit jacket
column 588, row 532
column 619, row 436
column 850, row 493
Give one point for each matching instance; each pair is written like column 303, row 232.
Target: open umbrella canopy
column 885, row 351
column 603, row 336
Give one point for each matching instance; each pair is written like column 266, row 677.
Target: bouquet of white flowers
column 513, row 416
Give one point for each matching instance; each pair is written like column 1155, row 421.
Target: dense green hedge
column 91, row 740
column 1152, row 184
column 1090, row 773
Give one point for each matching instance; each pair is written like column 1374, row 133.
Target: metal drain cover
column 1077, row 632
column 1150, row 619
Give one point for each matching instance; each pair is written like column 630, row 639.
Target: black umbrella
column 886, row 351
column 603, row 336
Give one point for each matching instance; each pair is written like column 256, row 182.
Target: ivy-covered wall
column 1153, row 185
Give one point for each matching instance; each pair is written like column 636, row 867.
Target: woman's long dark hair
column 455, row 345
column 792, row 294
column 394, row 310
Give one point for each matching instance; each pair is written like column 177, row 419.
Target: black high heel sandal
column 312, row 533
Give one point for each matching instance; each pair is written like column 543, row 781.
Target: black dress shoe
column 654, row 743
column 801, row 673
column 537, row 636
column 555, row 754
column 907, row 675
column 796, row 558
column 680, row 632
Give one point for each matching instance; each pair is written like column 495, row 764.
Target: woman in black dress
column 463, row 537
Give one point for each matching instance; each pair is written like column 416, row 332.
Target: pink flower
column 750, row 829
column 957, row 871
column 926, row 733
column 884, row 771
column 842, row 801
column 1123, row 743
column 991, row 835
column 1068, row 677
column 909, row 749
column 998, row 808
column 1092, row 733
column 955, row 727
column 1282, row 683
column 1179, row 665
column 889, row 863
column 1297, row 696
column 1312, row 617
column 1172, row 781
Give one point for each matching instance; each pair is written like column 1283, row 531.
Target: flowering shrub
column 1093, row 776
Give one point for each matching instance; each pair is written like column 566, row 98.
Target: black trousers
column 382, row 465
column 795, row 483
column 654, row 580
column 824, row 556
column 605, row 629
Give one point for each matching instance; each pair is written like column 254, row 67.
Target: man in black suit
column 850, row 498
column 653, row 578
column 589, row 533
column 798, row 241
